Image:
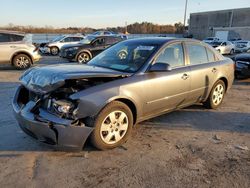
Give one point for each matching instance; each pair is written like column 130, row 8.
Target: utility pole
column 185, row 14
column 126, row 27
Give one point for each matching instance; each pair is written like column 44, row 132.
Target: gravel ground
column 193, row 147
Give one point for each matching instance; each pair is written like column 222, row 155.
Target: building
column 225, row 24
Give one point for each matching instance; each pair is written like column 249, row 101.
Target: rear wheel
column 216, row 95
column 22, row 61
column 83, row 57
column 112, row 126
column 54, row 50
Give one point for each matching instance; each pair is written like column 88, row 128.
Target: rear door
column 6, row 47
column 203, row 69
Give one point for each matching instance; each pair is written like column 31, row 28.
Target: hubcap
column 22, row 62
column 114, row 127
column 54, row 51
column 83, row 58
column 218, row 94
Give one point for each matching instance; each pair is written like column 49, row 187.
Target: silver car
column 129, row 82
column 17, row 49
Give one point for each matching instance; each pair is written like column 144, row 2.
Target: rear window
column 197, row 54
column 112, row 40
column 210, row 55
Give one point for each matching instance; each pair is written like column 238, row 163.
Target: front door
column 168, row 90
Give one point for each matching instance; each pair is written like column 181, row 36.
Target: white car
column 242, row 46
column 226, row 48
column 55, row 45
column 210, row 40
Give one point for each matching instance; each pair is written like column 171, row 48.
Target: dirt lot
column 193, row 147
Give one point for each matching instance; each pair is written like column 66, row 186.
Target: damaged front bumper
column 49, row 128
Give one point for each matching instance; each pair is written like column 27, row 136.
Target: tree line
column 135, row 28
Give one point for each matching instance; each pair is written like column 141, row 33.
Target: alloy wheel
column 218, row 94
column 83, row 58
column 22, row 62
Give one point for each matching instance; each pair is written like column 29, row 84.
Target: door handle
column 13, row 46
column 185, row 76
column 214, row 70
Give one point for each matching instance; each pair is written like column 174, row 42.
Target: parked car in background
column 17, row 49
column 242, row 46
column 235, row 40
column 226, row 48
column 101, row 33
column 88, row 48
column 129, row 82
column 211, row 40
column 111, row 33
column 55, row 45
column 242, row 64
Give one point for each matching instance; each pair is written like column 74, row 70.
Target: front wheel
column 216, row 95
column 112, row 126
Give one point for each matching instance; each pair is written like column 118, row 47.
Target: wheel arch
column 21, row 52
column 224, row 79
column 131, row 106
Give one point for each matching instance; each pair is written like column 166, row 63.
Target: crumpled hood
column 46, row 79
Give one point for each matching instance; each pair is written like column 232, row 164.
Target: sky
column 104, row 13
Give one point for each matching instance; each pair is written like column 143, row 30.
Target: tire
column 54, row 50
column 22, row 61
column 232, row 52
column 216, row 95
column 83, row 58
column 108, row 133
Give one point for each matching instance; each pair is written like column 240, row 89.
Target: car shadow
column 198, row 118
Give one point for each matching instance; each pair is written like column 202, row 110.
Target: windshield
column 87, row 40
column 97, row 33
column 125, row 56
column 58, row 39
column 209, row 38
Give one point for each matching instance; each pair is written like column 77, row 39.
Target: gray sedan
column 130, row 82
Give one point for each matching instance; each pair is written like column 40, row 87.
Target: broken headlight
column 63, row 107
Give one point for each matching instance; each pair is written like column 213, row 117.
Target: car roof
column 12, row 32
column 162, row 40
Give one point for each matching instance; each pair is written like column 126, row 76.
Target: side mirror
column 160, row 67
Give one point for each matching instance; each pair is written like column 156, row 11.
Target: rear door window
column 112, row 40
column 197, row 54
column 4, row 37
column 15, row 38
